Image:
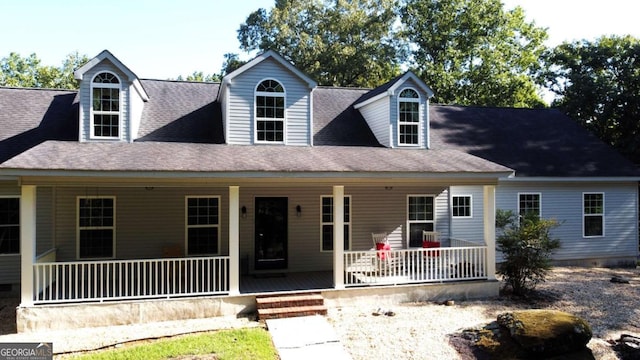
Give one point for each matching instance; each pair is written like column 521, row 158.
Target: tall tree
column 336, row 42
column 598, row 83
column 19, row 71
column 473, row 52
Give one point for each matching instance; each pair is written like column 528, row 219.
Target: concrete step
column 292, row 300
column 293, row 311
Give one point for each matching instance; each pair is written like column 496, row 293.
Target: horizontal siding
column 240, row 128
column 564, row 203
column 393, row 114
column 377, row 115
column 471, row 229
column 45, row 219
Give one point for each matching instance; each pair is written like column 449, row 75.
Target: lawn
column 250, row 343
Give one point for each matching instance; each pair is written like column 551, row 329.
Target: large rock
column 546, row 332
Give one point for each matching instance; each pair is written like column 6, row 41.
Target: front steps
column 290, row 305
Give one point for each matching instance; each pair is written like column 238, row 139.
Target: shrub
column 527, row 247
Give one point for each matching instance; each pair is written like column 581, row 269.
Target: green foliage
column 599, row 86
column 473, row 52
column 199, row 76
column 17, row 71
column 526, row 246
column 247, row 344
column 336, row 42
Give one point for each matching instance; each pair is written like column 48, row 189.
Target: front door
column 271, row 233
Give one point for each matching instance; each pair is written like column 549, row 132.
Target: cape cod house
column 129, row 193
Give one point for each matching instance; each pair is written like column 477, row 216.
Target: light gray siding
column 470, row 229
column 563, row 202
column 240, row 108
column 377, row 115
column 85, row 100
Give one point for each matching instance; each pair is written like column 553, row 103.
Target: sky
column 162, row 39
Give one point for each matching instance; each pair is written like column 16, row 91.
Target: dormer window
column 409, row 117
column 269, row 111
column 105, row 106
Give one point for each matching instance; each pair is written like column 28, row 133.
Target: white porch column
column 338, row 237
column 490, row 229
column 234, row 240
column 27, row 243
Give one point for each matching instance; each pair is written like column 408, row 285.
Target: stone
column 619, row 279
column 546, row 332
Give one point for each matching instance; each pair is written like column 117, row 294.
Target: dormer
column 111, row 100
column 398, row 112
column 267, row 101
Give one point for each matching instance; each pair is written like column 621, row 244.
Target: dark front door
column 271, row 233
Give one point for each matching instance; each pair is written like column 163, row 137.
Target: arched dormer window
column 269, row 111
column 409, row 117
column 105, row 106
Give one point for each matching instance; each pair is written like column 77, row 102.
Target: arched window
column 269, row 110
column 105, row 106
column 409, row 117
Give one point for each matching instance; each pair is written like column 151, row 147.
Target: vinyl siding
column 377, row 115
column 240, row 109
column 563, row 202
column 393, row 115
column 85, row 100
column 136, row 106
column 470, row 229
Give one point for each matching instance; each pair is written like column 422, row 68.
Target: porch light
column 244, row 211
column 298, row 210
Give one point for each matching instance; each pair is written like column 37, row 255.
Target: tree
column 473, row 52
column 199, row 76
column 28, row 72
column 526, row 245
column 336, row 42
column 231, row 63
column 598, row 84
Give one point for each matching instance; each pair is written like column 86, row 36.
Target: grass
column 251, row 343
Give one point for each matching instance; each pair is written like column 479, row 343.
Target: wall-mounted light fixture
column 149, row 188
column 243, row 210
column 388, row 188
column 298, row 211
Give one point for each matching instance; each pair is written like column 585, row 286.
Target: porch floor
column 297, row 281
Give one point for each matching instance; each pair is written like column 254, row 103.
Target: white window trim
column 409, row 222
column 470, row 206
column 187, row 226
column 113, row 227
column 539, row 201
column 419, row 124
column 322, row 223
column 92, row 112
column 585, row 215
column 19, row 223
column 255, row 112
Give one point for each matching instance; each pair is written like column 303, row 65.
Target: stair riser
column 292, row 303
column 291, row 314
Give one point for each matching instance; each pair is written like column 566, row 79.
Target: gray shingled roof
column 534, row 142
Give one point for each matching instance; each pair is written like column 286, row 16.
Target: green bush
column 526, row 247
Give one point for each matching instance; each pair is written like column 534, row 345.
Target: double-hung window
column 593, row 214
column 461, row 206
column 105, row 109
column 269, row 111
column 326, row 210
column 420, row 217
column 203, row 225
column 529, row 204
column 96, row 227
column 409, row 118
column 9, row 225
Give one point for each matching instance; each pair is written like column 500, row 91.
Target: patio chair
column 385, row 258
column 430, row 239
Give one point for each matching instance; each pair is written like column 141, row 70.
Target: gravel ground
column 420, row 330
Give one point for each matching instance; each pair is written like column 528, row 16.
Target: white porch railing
column 455, row 242
column 84, row 281
column 394, row 267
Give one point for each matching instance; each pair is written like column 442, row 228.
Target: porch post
column 490, row 229
column 234, row 240
column 338, row 237
column 27, row 243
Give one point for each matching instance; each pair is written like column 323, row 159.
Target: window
column 593, row 214
column 420, row 217
column 461, row 206
column 529, row 203
column 409, row 117
column 327, row 222
column 96, row 227
column 203, row 224
column 269, row 111
column 105, row 99
column 9, row 225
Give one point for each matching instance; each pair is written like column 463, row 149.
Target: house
column 131, row 195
